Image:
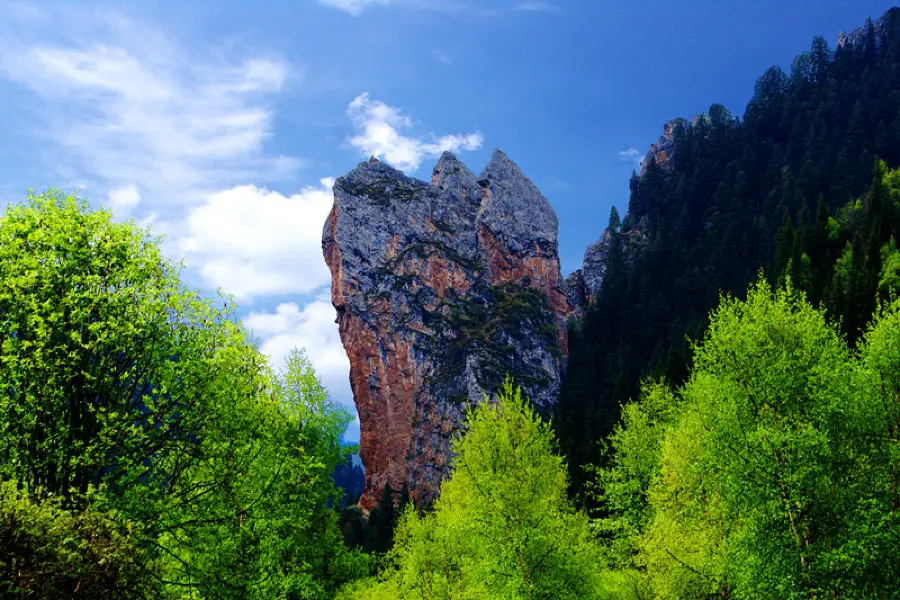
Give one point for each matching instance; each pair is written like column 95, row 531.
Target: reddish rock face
column 662, row 152
column 442, row 289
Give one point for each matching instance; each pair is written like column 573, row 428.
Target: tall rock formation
column 442, row 288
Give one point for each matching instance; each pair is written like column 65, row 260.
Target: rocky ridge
column 442, row 288
column 858, row 36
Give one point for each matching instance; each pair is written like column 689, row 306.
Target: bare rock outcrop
column 442, row 288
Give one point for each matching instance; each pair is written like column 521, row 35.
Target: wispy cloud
column 290, row 326
column 123, row 200
column 157, row 129
column 380, row 127
column 631, row 155
column 127, row 108
column 459, row 8
column 446, row 58
column 546, row 7
column 353, row 7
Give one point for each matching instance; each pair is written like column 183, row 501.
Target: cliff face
column 441, row 288
column 663, row 150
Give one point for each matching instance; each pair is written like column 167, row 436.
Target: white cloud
column 251, row 241
column 547, row 7
column 123, row 200
column 354, row 7
column 311, row 328
column 380, row 126
column 122, row 105
column 631, row 155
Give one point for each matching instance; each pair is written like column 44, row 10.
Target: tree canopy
column 503, row 526
column 772, row 471
column 126, row 393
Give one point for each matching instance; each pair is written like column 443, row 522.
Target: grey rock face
column 576, row 294
column 442, row 289
column 596, row 259
column 857, row 37
column 514, row 208
column 595, row 264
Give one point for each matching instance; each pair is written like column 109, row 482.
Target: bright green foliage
column 682, row 551
column 502, row 527
column 623, row 487
column 115, row 374
column 770, row 395
column 889, row 278
column 877, row 521
column 834, row 229
column 776, row 473
column 48, row 552
column 106, row 360
column 251, row 518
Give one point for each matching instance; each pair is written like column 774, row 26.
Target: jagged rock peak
column 514, row 206
column 373, row 169
column 451, row 173
column 500, row 163
column 441, row 288
column 502, row 170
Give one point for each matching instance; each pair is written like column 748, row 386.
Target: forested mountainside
column 791, row 187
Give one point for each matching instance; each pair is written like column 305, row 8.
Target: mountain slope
column 719, row 198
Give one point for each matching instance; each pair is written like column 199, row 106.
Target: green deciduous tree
column 107, row 362
column 49, row 552
column 776, row 466
column 113, row 374
column 252, row 518
column 502, row 527
column 623, row 486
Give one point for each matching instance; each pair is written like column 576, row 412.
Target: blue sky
column 221, row 124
